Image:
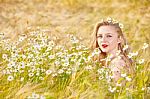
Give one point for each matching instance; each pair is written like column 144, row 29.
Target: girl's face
column 107, row 38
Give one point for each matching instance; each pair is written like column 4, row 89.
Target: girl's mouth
column 104, row 45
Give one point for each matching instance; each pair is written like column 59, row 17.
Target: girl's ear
column 120, row 40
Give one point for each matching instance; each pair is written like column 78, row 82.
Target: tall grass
column 45, row 51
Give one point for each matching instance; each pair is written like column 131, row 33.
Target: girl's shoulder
column 118, row 62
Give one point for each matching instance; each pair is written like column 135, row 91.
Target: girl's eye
column 109, row 36
column 99, row 36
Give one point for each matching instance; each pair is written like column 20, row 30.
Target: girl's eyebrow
column 106, row 33
column 99, row 34
column 109, row 33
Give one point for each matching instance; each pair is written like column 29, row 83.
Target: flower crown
column 113, row 21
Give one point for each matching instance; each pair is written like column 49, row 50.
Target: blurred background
column 61, row 17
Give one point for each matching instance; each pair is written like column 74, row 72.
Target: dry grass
column 61, row 17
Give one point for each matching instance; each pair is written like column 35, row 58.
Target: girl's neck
column 114, row 53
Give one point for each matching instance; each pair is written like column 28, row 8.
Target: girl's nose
column 103, row 39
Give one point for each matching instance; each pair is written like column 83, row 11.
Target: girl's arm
column 116, row 66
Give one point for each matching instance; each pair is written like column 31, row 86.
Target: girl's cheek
column 112, row 40
column 99, row 40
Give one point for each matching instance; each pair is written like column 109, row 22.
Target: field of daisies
column 45, row 49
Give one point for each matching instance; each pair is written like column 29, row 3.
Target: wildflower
column 121, row 25
column 101, row 77
column 128, row 79
column 35, row 96
column 44, row 54
column 145, row 46
column 60, row 71
column 42, row 97
column 49, row 48
column 22, row 65
column 89, row 58
column 112, row 89
column 21, row 38
column 10, row 78
column 102, row 20
column 135, row 53
column 118, row 84
column 123, row 75
column 11, row 64
column 4, row 56
column 111, row 77
column 100, row 70
column 143, row 88
column 117, row 90
column 88, row 67
column 48, row 72
column 74, row 40
column 59, row 47
column 148, row 88
column 109, row 57
column 37, row 46
column 4, row 71
column 51, row 56
column 30, row 74
column 43, row 70
column 132, row 54
column 97, row 51
column 55, row 74
column 125, row 47
column 38, row 69
column 15, row 70
column 141, row 61
column 38, row 73
column 73, row 60
column 54, row 38
column 66, row 64
column 23, row 56
column 30, row 56
column 57, row 62
column 20, row 71
column 8, row 71
column 32, row 70
column 115, row 21
column 29, row 97
column 127, row 89
column 41, row 78
column 1, row 34
column 80, row 53
column 109, row 19
column 22, row 79
column 11, row 70
column 68, row 72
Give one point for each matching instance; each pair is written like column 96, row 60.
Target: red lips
column 104, row 45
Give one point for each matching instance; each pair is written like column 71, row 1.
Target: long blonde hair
column 103, row 55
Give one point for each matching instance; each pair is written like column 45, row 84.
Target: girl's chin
column 104, row 50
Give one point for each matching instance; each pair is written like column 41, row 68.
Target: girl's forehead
column 107, row 29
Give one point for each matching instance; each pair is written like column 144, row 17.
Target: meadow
column 45, row 49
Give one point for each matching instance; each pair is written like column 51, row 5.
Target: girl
column 109, row 39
